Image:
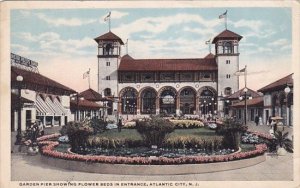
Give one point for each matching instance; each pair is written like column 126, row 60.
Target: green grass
column 134, row 135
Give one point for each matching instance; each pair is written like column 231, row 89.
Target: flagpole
column 127, row 46
column 245, row 76
column 89, row 79
column 225, row 21
column 109, row 23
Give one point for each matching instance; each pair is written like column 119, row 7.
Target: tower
column 227, row 58
column 109, row 51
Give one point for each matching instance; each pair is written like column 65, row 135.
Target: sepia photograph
column 153, row 94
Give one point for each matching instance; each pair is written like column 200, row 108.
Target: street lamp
column 245, row 98
column 19, row 85
column 287, row 90
column 127, row 108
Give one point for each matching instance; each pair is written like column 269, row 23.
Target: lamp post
column 245, row 98
column 287, row 90
column 19, row 85
column 127, row 107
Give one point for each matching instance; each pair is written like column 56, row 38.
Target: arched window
column 187, row 101
column 228, row 91
column 228, row 48
column 167, row 102
column 107, row 92
column 208, row 102
column 148, row 99
column 129, row 101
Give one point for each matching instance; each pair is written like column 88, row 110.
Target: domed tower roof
column 110, row 36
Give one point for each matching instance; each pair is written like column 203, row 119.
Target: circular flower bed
column 48, row 149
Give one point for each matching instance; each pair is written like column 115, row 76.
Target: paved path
column 280, row 168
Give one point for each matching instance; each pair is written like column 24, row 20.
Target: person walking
column 270, row 120
column 256, row 120
column 119, row 125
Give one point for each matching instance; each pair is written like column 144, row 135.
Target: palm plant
column 281, row 140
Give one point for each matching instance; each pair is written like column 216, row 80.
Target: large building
column 172, row 86
column 278, row 99
column 36, row 97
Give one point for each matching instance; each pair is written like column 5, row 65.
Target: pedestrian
column 270, row 120
column 119, row 125
column 256, row 120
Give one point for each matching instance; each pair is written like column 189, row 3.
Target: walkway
column 279, row 168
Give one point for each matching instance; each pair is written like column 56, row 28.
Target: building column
column 52, row 121
column 178, row 105
column 157, row 105
column 138, row 106
column 287, row 115
column 197, row 105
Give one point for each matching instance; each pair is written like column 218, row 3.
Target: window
column 227, row 75
column 107, row 92
column 147, row 77
column 107, row 77
column 167, row 76
column 228, row 48
column 108, row 63
column 227, row 91
column 227, row 61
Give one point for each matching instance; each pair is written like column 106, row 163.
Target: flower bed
column 49, row 150
column 187, row 124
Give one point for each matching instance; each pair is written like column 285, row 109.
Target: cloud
column 25, row 13
column 279, row 42
column 254, row 25
column 155, row 25
column 65, row 21
column 52, row 43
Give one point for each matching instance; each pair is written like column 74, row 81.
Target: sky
column 62, row 40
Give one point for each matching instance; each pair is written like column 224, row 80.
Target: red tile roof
column 109, row 36
column 240, row 92
column 209, row 56
column 255, row 102
column 279, row 84
column 91, row 95
column 37, row 82
column 84, row 104
column 129, row 64
column 227, row 34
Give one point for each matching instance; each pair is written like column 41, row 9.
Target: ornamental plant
column 78, row 132
column 281, row 140
column 154, row 131
column 232, row 131
column 188, row 124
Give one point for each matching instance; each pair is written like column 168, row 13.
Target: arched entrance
column 148, row 101
column 128, row 100
column 187, row 102
column 208, row 101
column 167, row 100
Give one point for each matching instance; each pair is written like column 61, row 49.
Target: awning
column 49, row 107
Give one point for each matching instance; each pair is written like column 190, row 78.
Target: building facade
column 278, row 99
column 168, row 86
column 36, row 97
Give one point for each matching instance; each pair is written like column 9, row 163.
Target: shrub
column 232, row 131
column 99, row 125
column 78, row 133
column 153, row 131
